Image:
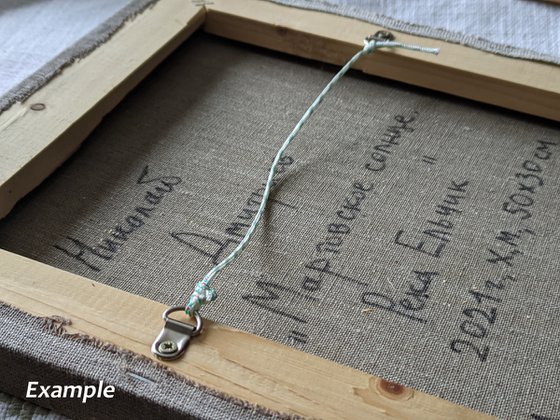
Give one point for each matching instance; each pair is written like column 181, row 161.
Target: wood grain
column 240, row 364
column 521, row 85
column 34, row 143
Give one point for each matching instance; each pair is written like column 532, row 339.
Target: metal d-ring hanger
column 174, row 338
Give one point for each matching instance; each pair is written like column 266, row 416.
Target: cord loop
column 203, row 293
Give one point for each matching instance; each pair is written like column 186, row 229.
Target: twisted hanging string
column 203, row 293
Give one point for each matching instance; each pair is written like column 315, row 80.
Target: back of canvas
column 410, row 235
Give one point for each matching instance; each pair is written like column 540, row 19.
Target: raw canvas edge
column 56, row 326
column 422, row 30
column 83, row 47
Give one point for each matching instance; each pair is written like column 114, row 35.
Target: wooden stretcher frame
column 36, row 139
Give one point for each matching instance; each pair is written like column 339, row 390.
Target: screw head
column 167, row 347
column 381, row 36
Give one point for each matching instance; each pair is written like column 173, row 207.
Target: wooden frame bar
column 34, row 143
column 526, row 86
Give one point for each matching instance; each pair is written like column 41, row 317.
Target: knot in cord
column 202, row 294
column 370, row 46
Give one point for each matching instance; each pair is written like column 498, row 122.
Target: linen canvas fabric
column 526, row 29
column 12, row 408
column 43, row 37
column 40, row 38
column 399, row 238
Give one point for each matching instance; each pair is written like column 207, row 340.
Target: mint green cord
column 203, row 293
